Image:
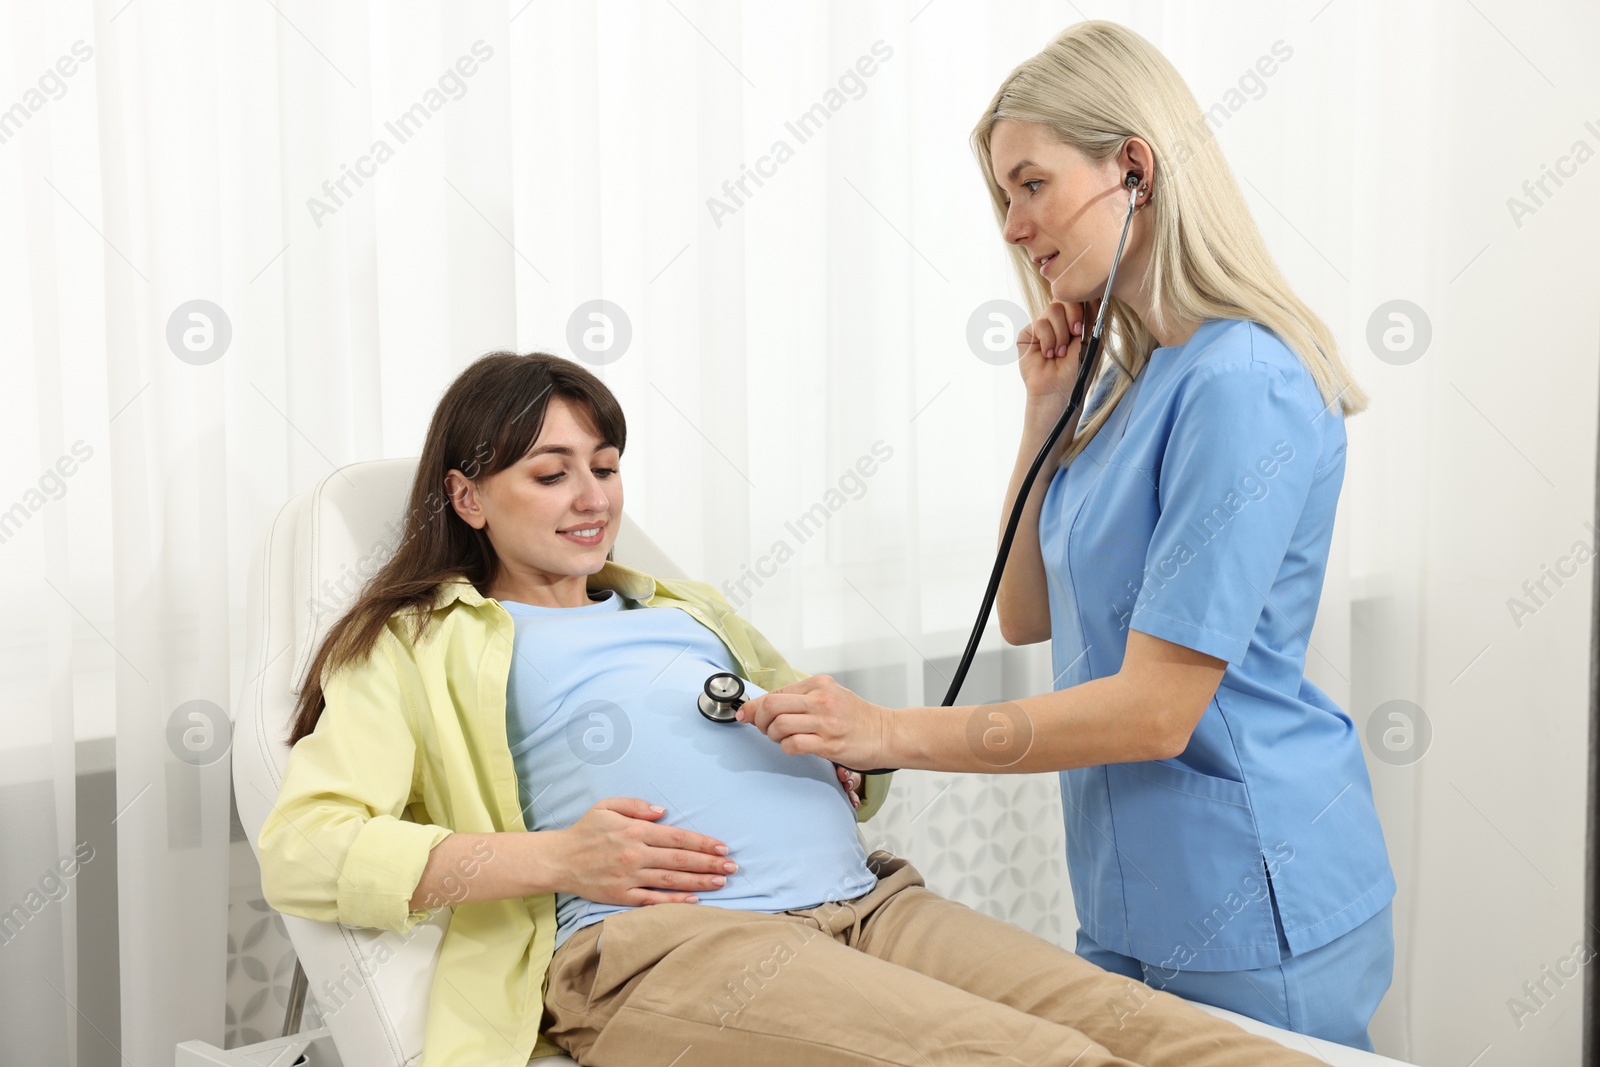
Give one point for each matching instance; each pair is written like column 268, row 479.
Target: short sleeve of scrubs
column 1233, row 480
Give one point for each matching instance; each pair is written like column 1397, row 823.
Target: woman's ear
column 1137, row 155
column 464, row 499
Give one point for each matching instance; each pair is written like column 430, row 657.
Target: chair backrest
column 371, row 985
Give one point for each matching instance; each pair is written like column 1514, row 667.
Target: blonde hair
column 1096, row 85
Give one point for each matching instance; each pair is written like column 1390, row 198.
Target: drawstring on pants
column 855, row 927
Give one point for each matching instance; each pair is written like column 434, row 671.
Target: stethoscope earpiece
column 722, row 698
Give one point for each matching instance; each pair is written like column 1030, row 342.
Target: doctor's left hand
column 819, row 717
column 852, row 782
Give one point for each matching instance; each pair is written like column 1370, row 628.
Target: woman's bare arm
column 1022, row 600
column 1048, row 351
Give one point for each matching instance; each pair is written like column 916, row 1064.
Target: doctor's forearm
column 1107, row 720
column 1021, row 601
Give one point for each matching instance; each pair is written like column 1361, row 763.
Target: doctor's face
column 1065, row 212
column 538, row 510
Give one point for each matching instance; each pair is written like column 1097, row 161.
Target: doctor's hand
column 851, row 780
column 1049, row 349
column 817, row 716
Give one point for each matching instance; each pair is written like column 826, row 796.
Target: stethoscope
column 723, row 694
column 722, row 698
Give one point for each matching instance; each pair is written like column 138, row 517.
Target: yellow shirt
column 411, row 747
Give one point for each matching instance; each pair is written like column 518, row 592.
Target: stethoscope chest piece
column 722, row 698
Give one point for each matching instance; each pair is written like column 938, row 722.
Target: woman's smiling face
column 537, row 510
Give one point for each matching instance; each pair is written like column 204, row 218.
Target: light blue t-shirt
column 1201, row 513
column 601, row 703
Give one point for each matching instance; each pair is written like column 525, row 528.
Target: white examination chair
column 330, row 538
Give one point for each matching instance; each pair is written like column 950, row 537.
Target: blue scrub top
column 1201, row 513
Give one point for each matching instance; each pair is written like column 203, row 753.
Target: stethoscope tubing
column 723, row 706
column 1085, row 371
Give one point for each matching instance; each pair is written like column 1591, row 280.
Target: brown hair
column 486, row 421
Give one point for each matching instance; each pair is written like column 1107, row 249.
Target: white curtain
column 247, row 243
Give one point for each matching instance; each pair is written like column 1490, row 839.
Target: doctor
column 1222, row 841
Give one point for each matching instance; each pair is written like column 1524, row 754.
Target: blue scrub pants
column 1329, row 992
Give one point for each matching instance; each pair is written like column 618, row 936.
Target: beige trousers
column 897, row 976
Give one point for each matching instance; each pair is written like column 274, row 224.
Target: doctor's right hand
column 617, row 854
column 1049, row 348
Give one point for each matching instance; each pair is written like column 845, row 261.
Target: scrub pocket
column 1193, row 870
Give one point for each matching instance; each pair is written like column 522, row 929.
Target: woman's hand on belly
column 617, row 854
